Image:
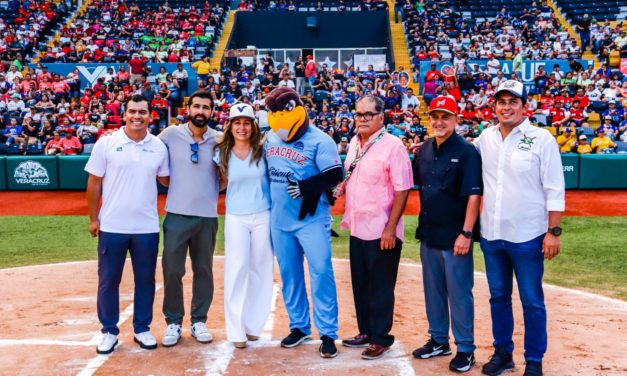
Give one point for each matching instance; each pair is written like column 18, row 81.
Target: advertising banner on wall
column 529, row 68
column 32, row 173
column 91, row 72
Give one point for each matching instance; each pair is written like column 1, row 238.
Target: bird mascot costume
column 303, row 166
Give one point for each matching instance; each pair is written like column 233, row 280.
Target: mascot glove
column 293, row 188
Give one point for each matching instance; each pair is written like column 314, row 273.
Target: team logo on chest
column 526, row 143
column 287, row 153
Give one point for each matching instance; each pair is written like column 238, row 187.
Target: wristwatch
column 555, row 231
column 466, row 234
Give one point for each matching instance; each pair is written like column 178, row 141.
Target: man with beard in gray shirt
column 192, row 219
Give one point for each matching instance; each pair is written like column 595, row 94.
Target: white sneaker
column 200, row 332
column 145, row 340
column 172, row 335
column 107, row 343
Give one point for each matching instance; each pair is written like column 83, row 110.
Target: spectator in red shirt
column 577, row 114
column 70, row 145
column 87, row 97
column 469, row 112
column 434, row 74
column 563, row 98
column 583, row 99
column 160, row 105
column 44, row 73
column 311, row 71
column 123, row 76
column 53, row 147
column 136, row 68
column 547, row 100
column 60, row 87
column 487, row 112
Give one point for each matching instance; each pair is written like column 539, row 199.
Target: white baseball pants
column 248, row 274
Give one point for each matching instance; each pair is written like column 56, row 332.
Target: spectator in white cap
column 249, row 259
column 583, row 27
column 180, row 119
column 519, row 227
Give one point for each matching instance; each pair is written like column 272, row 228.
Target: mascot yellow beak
column 286, row 123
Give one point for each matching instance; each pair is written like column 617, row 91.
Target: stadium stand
column 25, row 24
column 112, row 32
column 38, row 108
column 600, row 26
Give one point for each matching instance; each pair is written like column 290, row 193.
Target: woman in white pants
column 249, row 259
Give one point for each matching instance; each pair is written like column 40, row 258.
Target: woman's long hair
column 228, row 141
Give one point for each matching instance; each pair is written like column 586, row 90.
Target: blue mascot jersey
column 312, row 154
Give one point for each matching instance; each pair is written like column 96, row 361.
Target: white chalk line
column 99, row 360
column 269, row 325
column 616, row 302
column 217, row 361
column 45, row 342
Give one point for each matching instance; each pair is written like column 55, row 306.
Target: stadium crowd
column 40, row 110
column 112, row 31
column 21, row 35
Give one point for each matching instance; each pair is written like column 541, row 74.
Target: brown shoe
column 360, row 340
column 374, row 351
column 239, row 345
column 252, row 338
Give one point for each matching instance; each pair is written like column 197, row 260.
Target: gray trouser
column 181, row 232
column 448, row 282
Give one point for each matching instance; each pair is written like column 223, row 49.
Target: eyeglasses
column 365, row 116
column 194, row 156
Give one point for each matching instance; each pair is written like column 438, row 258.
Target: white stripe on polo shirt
column 129, row 189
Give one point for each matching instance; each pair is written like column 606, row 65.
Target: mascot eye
column 290, row 105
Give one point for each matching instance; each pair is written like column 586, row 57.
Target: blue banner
column 529, row 68
column 91, row 72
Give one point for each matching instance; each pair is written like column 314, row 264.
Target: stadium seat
column 621, row 147
column 34, row 150
column 87, row 148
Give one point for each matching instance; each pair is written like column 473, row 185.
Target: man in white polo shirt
column 523, row 201
column 123, row 169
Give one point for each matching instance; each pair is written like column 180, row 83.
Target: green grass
column 594, row 249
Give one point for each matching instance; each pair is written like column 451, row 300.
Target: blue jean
column 312, row 80
column 585, row 40
column 112, row 248
column 448, row 281
column 526, row 260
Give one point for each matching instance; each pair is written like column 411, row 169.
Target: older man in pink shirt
column 377, row 183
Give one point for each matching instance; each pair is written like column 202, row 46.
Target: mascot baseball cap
column 241, row 110
column 445, row 104
column 515, row 88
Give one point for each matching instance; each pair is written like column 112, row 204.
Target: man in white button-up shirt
column 523, row 202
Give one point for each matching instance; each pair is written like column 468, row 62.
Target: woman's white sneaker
column 172, row 335
column 107, row 343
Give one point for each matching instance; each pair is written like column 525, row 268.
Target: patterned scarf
column 339, row 190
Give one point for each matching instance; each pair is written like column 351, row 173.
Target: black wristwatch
column 555, row 231
column 466, row 234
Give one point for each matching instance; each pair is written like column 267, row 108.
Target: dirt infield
column 49, row 327
column 578, row 203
